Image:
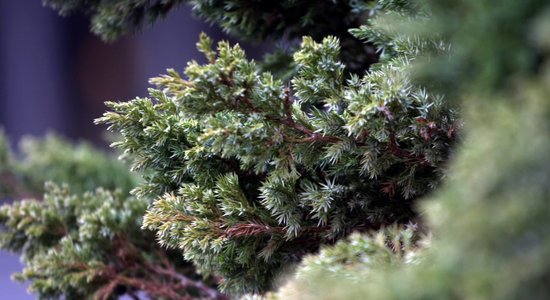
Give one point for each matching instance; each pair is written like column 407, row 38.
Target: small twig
column 186, row 282
column 252, row 229
column 397, row 151
column 393, row 146
column 169, row 270
column 158, row 289
column 289, row 120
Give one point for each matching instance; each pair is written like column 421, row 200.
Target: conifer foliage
column 91, row 246
column 87, row 242
column 245, row 173
column 57, row 160
column 492, row 219
column 250, row 173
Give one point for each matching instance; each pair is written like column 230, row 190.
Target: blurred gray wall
column 55, row 76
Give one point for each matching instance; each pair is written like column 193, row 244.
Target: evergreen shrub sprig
column 90, row 246
column 245, row 172
column 250, row 173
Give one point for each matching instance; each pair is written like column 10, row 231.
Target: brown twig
column 159, row 281
column 398, row 152
column 186, row 282
column 253, row 229
column 289, row 121
column 394, row 146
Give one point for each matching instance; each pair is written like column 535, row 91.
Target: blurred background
column 55, row 76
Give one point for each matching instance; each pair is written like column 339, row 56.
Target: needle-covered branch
column 241, row 163
column 91, row 246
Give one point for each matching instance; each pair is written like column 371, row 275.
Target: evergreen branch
column 185, row 282
column 251, row 229
column 250, row 165
column 153, row 288
column 254, row 229
column 289, row 121
column 398, row 152
column 162, row 280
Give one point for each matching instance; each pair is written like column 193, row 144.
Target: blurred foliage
column 251, row 173
column 111, row 18
column 54, row 159
column 491, row 220
column 353, row 260
column 492, row 46
column 257, row 20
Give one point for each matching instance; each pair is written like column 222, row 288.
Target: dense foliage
column 91, row 246
column 491, row 221
column 314, row 173
column 252, row 20
column 86, row 242
column 251, row 173
column 57, row 160
column 112, row 18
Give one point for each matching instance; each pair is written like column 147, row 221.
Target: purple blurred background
column 55, row 76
